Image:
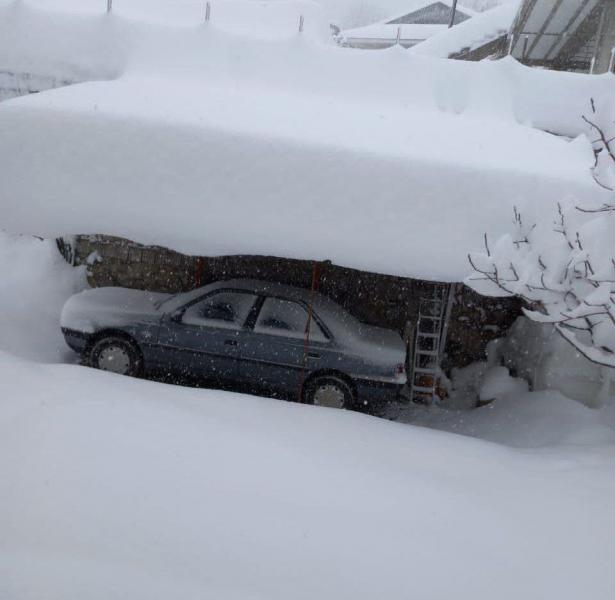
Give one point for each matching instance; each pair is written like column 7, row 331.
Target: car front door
column 271, row 354
column 203, row 338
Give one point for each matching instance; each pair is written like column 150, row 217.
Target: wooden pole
column 453, row 13
column 308, row 326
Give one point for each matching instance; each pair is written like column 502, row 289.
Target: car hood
column 94, row 309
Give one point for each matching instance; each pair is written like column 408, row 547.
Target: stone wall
column 13, row 84
column 377, row 299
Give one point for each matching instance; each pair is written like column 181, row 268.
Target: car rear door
column 203, row 338
column 271, row 353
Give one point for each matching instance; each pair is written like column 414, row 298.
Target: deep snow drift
column 198, row 186
column 471, row 34
column 35, row 283
column 119, row 487
column 207, row 133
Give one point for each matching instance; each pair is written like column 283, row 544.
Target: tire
column 330, row 391
column 116, row 355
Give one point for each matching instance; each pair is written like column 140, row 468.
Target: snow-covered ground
column 113, row 487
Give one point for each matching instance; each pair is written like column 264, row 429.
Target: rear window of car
column 288, row 319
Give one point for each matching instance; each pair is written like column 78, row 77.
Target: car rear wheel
column 329, row 391
column 116, row 355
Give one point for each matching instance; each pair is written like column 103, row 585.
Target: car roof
column 267, row 288
column 330, row 311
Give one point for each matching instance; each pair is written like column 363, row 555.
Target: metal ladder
column 427, row 346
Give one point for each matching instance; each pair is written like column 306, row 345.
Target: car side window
column 288, row 319
column 227, row 310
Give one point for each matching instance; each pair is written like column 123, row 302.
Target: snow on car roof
column 214, row 144
column 345, row 327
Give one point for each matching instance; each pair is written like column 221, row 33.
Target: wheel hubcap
column 329, row 395
column 114, row 359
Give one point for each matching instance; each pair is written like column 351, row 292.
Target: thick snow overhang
column 483, row 29
column 207, row 170
column 215, row 143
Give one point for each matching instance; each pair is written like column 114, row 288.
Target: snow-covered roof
column 213, row 143
column 421, row 20
column 484, row 28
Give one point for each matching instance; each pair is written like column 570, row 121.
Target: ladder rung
column 438, row 318
column 427, row 353
column 423, row 390
column 426, row 370
column 425, row 381
column 427, row 335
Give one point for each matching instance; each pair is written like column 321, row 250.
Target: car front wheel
column 116, row 355
column 329, row 391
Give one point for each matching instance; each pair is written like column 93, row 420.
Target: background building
column 566, row 35
column 423, row 20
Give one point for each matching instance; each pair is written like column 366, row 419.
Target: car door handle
column 230, row 343
column 313, row 355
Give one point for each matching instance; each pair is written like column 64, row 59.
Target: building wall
column 584, row 47
column 376, row 299
column 13, row 84
column 606, row 41
column 495, row 49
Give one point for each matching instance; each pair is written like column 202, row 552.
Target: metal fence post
column 453, row 14
column 207, row 11
column 301, row 21
column 109, row 5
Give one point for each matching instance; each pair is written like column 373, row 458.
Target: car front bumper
column 369, row 391
column 76, row 340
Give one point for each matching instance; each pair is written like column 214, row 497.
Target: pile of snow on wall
column 36, row 281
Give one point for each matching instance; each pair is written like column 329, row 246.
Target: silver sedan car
column 266, row 336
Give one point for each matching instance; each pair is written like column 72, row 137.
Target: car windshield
column 160, row 303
